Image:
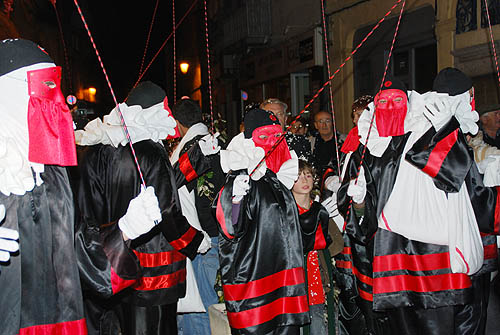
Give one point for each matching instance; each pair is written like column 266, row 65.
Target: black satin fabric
column 152, row 320
column 108, row 180
column 408, row 312
column 380, row 175
column 106, row 317
column 309, row 222
column 40, row 284
column 389, row 243
column 455, row 166
column 267, row 240
column 483, row 199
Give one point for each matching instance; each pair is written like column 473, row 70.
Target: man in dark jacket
column 196, row 199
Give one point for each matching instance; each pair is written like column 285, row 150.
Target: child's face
column 304, row 184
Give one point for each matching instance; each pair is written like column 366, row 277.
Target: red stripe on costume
column 447, row 281
column 437, row 156
column 351, row 142
column 496, row 225
column 219, row 214
column 118, row 284
column 411, row 262
column 77, row 327
column 159, row 259
column 323, row 178
column 319, row 239
column 347, row 251
column 385, row 222
column 348, row 265
column 159, row 282
column 186, row 168
column 490, row 251
column 365, row 295
column 259, row 315
column 463, row 258
column 262, row 286
column 184, row 240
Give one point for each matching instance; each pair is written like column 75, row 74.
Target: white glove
column 490, row 167
column 209, row 144
column 438, row 113
column 141, row 214
column 358, row 190
column 241, row 186
column 205, row 244
column 332, row 183
column 8, row 239
column 330, row 205
column 482, row 165
column 466, row 117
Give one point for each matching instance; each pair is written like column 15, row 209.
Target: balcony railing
column 250, row 24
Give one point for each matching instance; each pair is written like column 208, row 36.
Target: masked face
column 472, row 99
column 391, row 107
column 50, row 126
column 167, row 108
column 265, row 137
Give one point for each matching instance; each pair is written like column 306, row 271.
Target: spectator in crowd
column 196, row 207
column 299, row 127
column 278, row 108
column 325, row 149
column 489, row 123
column 316, row 229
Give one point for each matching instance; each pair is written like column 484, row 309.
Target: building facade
column 266, row 49
column 432, row 35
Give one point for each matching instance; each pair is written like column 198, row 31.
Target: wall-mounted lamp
column 184, row 67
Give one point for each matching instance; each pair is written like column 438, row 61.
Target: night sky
column 120, row 30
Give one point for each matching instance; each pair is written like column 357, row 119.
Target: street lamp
column 92, row 91
column 184, row 67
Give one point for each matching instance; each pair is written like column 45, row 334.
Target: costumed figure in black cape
column 261, row 249
column 413, row 236
column 40, row 289
column 134, row 271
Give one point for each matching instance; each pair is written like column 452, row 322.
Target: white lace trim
column 153, row 123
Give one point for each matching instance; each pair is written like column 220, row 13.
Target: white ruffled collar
column 241, row 153
column 153, row 123
column 193, row 131
column 16, row 171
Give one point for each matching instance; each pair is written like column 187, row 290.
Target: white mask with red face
column 50, row 125
column 265, row 137
column 391, row 106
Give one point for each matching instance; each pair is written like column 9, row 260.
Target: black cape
column 40, row 288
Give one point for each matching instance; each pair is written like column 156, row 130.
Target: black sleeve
column 361, row 228
column 206, row 190
column 443, row 155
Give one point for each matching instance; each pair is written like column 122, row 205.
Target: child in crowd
column 314, row 218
